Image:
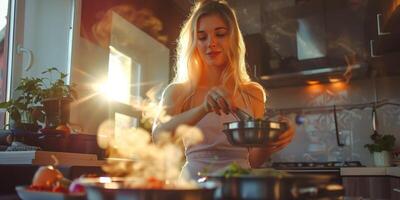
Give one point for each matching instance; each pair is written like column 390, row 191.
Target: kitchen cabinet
column 394, row 188
column 372, row 187
column 383, row 33
column 390, row 16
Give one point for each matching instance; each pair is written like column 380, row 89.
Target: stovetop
column 330, row 165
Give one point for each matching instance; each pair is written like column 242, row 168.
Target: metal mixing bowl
column 253, row 133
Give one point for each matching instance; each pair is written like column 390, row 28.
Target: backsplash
column 315, row 138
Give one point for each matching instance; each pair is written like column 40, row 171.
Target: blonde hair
column 188, row 62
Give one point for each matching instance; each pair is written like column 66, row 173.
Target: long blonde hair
column 188, row 62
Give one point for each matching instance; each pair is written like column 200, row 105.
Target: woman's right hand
column 218, row 100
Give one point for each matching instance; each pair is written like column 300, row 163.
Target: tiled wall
column 315, row 139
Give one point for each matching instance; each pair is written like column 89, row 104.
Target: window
column 4, row 10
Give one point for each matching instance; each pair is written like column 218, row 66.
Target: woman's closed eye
column 202, row 36
column 221, row 33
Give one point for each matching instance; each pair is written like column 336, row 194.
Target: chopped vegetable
column 234, row 170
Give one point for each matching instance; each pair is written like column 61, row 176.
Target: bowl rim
column 255, row 124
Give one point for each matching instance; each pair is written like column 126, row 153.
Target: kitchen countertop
column 370, row 171
column 21, row 174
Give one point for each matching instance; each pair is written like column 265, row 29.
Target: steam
column 132, row 153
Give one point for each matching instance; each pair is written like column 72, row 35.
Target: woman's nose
column 212, row 42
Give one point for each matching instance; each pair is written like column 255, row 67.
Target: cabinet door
column 367, row 187
column 395, row 188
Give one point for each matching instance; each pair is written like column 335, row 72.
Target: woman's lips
column 213, row 53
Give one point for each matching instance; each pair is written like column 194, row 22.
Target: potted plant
column 24, row 110
column 381, row 148
column 56, row 98
column 37, row 94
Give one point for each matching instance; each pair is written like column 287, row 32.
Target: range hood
column 312, row 41
column 319, row 74
column 315, row 76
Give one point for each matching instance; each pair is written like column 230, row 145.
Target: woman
column 210, row 82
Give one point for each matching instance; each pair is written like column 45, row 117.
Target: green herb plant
column 382, row 143
column 27, row 107
column 21, row 108
column 57, row 88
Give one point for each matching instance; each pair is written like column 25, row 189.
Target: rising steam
column 133, row 154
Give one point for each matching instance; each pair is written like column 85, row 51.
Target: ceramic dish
column 27, row 194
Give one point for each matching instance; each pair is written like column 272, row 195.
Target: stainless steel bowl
column 117, row 189
column 253, row 133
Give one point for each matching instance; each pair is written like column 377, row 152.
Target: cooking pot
column 257, row 187
column 105, row 188
column 253, row 132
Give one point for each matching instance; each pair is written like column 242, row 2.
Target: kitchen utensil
column 274, row 187
column 375, row 135
column 117, row 188
column 241, row 115
column 253, row 133
column 339, row 143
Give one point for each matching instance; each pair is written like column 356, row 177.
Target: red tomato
column 46, row 177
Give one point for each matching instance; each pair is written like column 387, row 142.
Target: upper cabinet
column 383, row 31
column 391, row 16
column 298, row 42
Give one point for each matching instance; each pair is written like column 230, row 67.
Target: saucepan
column 272, row 187
column 106, row 188
column 249, row 132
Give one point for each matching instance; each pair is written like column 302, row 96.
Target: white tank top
column 214, row 152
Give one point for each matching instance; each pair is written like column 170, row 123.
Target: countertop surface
column 370, row 171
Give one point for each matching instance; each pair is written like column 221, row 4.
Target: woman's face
column 213, row 40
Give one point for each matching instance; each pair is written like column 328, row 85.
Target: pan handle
column 332, row 189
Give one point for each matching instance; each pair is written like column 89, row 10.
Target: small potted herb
column 37, row 94
column 57, row 97
column 25, row 110
column 381, row 148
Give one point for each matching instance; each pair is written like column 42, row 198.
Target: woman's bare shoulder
column 175, row 90
column 255, row 90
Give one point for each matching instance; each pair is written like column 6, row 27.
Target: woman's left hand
column 258, row 155
column 283, row 140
